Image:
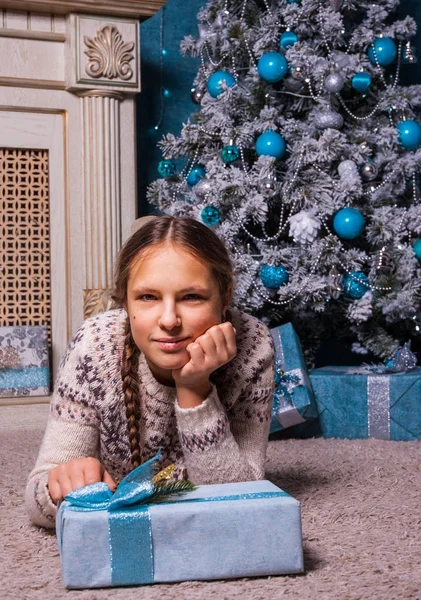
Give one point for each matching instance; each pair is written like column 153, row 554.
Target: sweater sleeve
column 223, row 445
column 72, row 429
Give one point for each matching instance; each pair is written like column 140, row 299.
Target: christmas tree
column 304, row 156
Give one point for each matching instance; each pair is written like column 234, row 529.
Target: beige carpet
column 361, row 510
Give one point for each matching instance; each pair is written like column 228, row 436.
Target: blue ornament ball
column 272, row 67
column 274, row 276
column 417, row 249
column 361, row 81
column 270, row 143
column 288, row 39
column 166, row 168
column 355, row 284
column 196, row 174
column 409, row 133
column 230, row 154
column 384, row 49
column 216, row 80
column 211, row 215
column 348, row 223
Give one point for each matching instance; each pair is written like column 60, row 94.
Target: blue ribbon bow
column 286, row 382
column 134, row 489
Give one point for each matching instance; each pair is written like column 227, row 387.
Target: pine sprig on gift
column 165, row 489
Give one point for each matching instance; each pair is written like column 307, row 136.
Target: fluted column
column 102, row 194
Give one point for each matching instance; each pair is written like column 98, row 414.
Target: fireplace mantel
column 139, row 9
column 69, row 74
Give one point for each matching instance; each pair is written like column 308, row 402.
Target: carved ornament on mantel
column 103, row 53
column 109, row 57
column 139, row 9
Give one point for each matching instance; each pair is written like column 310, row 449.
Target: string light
column 162, row 53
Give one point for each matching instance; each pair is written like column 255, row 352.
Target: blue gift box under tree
column 293, row 400
column 357, row 404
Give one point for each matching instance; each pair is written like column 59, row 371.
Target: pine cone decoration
column 304, row 227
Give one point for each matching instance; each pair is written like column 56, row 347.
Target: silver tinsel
column 369, row 171
column 328, row 119
column 334, row 83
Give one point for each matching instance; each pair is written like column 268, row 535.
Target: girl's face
column 172, row 298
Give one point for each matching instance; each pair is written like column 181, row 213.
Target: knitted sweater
column 222, row 440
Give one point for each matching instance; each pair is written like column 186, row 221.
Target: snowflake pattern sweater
column 222, row 440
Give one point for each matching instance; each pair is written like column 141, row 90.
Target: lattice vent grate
column 25, row 284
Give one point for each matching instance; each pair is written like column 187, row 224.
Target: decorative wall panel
column 25, row 290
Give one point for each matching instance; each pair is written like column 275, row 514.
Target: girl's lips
column 171, row 346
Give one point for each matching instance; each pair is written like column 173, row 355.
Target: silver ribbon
column 378, row 405
column 287, row 414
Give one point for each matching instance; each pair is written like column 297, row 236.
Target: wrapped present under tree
column 293, row 400
column 357, row 403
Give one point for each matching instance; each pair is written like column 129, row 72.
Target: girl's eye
column 192, row 297
column 146, row 297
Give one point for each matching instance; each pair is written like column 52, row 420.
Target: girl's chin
column 174, row 362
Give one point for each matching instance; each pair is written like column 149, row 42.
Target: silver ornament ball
column 202, row 188
column 369, row 171
column 334, row 83
column 196, row 95
column 328, row 119
column 268, row 187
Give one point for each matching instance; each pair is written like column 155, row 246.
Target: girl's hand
column 207, row 353
column 76, row 473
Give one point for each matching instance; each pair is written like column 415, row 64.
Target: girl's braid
column 129, row 376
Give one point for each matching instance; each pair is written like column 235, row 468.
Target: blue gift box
column 30, row 373
column 214, row 532
column 359, row 405
column 293, row 400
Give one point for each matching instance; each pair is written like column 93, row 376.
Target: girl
column 172, row 368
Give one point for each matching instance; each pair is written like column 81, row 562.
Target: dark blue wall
column 180, row 19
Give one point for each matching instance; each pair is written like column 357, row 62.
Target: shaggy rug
column 361, row 514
